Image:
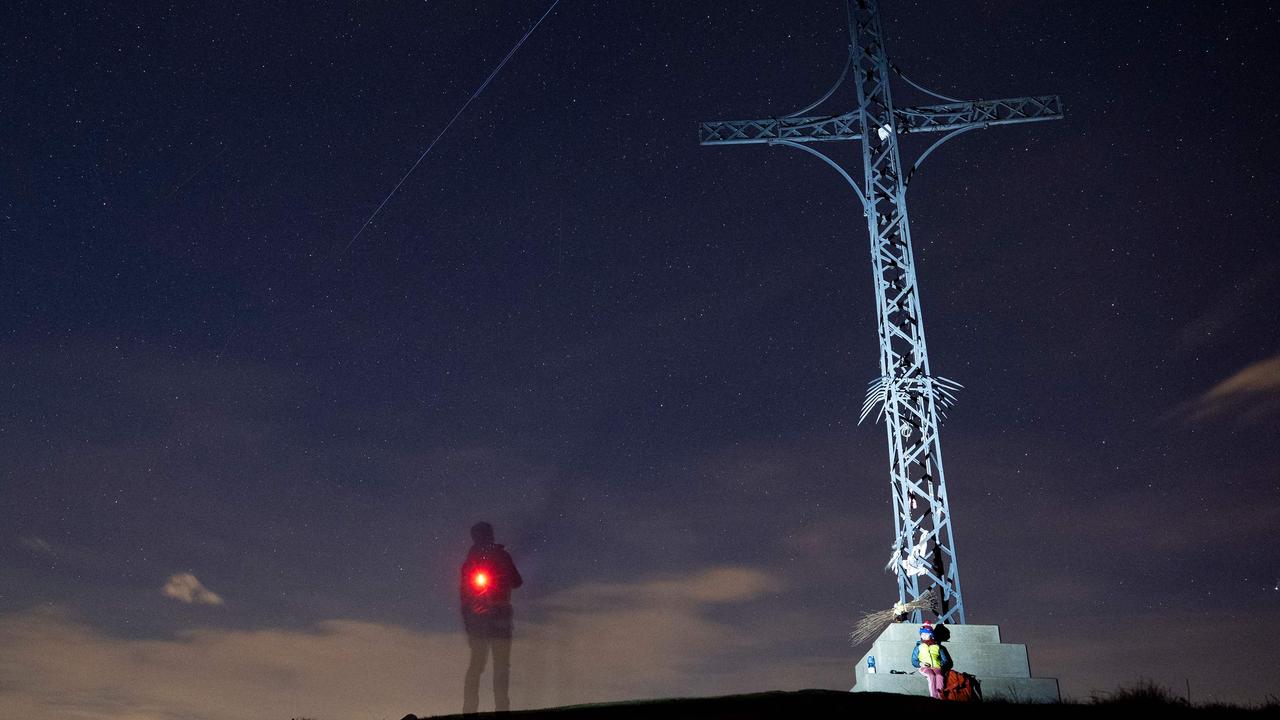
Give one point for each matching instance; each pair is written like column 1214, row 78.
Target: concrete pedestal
column 975, row 649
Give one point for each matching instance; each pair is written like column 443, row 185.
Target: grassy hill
column 837, row 704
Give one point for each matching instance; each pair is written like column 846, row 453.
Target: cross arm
column 925, row 118
column 797, row 129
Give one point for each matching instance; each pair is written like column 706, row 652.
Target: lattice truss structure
column 911, row 400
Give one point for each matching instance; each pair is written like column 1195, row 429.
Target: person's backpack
column 962, row 687
column 481, row 583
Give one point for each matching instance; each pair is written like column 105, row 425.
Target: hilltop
column 839, row 704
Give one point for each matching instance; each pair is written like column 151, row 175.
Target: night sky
column 239, row 453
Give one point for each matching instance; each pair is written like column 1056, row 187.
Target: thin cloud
column 1250, row 394
column 187, row 588
column 712, row 586
column 1230, row 310
column 650, row 638
column 37, row 545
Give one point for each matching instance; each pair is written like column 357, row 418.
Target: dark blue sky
column 641, row 359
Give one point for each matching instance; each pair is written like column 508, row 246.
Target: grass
column 1143, row 695
column 1143, row 692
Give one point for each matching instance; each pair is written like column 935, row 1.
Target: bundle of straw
column 873, row 623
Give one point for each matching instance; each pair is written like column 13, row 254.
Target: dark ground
column 834, row 703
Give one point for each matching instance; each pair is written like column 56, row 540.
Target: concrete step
column 1015, row 689
column 975, row 649
column 985, row 659
column 898, row 684
column 910, row 632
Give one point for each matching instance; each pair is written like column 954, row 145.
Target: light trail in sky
column 452, row 120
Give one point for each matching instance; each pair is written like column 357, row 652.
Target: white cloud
column 187, row 588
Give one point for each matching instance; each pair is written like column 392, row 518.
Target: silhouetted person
column 488, row 577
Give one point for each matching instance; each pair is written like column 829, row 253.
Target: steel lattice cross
column 907, row 395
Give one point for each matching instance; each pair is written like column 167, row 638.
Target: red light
column 480, row 580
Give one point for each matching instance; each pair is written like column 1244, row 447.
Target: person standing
column 488, row 577
column 933, row 660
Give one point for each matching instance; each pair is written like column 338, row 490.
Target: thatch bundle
column 873, row 623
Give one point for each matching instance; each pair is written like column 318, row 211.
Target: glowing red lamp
column 480, row 580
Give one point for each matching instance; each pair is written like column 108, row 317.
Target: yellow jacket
column 930, row 656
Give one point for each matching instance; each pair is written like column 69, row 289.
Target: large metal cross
column 909, row 397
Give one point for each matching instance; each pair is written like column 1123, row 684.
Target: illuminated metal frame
column 907, row 395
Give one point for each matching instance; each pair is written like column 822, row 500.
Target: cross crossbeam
column 926, row 118
column 911, row 400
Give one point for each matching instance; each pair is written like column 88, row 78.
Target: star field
column 642, row 360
